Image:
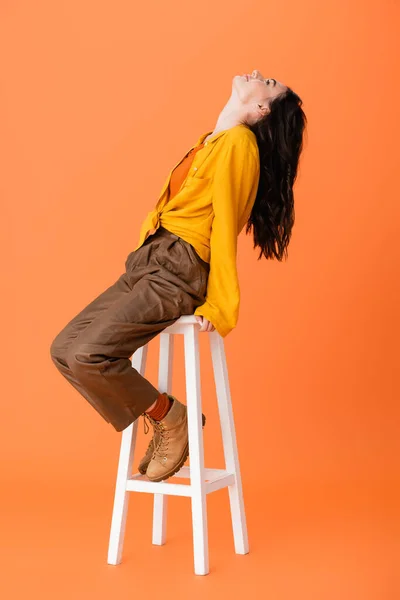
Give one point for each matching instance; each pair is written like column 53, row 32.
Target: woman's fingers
column 205, row 324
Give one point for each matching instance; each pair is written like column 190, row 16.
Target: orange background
column 98, row 101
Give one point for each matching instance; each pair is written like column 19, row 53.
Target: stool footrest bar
column 215, row 479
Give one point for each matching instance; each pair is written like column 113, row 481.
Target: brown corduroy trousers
column 164, row 279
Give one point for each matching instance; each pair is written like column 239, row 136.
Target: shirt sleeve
column 235, row 187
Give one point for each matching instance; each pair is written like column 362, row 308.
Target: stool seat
column 202, row 480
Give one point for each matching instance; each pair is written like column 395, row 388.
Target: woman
column 240, row 173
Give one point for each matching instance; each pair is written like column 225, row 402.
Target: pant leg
column 162, row 282
column 62, row 344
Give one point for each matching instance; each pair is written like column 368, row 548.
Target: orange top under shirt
column 178, row 176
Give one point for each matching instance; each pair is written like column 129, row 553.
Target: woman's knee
column 83, row 362
column 58, row 351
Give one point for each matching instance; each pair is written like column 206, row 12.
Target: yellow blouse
column 211, row 208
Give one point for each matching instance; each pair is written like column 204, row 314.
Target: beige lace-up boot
column 172, row 446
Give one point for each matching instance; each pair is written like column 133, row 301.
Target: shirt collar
column 214, row 137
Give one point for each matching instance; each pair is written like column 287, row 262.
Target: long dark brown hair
column 280, row 141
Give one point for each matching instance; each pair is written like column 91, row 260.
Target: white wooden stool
column 202, row 480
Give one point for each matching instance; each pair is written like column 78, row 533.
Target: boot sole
column 182, row 460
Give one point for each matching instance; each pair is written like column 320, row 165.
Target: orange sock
column 163, row 404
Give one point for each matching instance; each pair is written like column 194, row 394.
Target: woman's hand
column 205, row 324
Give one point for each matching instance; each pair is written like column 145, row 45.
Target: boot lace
column 146, row 430
column 163, row 440
column 145, row 416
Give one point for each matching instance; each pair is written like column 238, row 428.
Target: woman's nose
column 256, row 73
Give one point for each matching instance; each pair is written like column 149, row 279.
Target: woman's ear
column 264, row 109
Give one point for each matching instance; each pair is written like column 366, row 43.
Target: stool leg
column 160, row 503
column 121, row 496
column 196, row 451
column 221, row 378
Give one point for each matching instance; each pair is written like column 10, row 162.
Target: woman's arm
column 235, row 187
